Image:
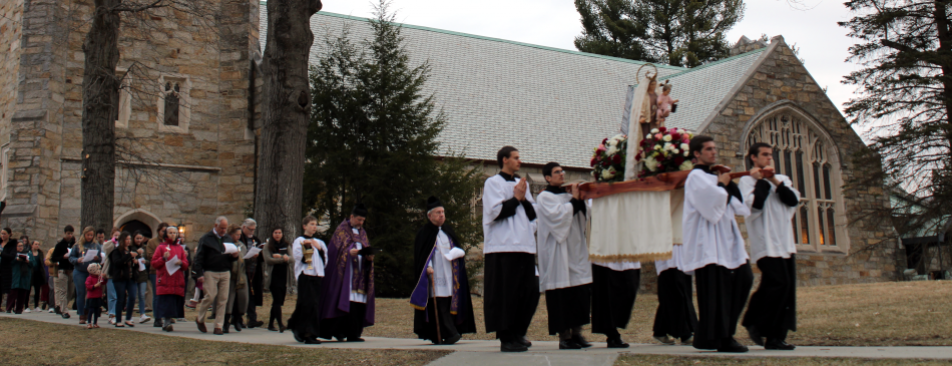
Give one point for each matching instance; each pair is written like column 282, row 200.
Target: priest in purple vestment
column 347, row 304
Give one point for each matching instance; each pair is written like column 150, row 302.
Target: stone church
column 192, row 141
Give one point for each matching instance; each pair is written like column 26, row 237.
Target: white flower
column 655, row 130
column 607, row 174
column 686, row 165
column 676, row 151
column 657, row 147
column 685, row 147
column 612, row 150
column 651, row 164
column 666, row 138
column 648, row 137
column 668, row 146
column 686, row 153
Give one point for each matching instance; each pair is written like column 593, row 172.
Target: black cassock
column 613, row 297
column 464, row 321
column 676, row 315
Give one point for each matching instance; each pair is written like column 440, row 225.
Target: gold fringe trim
column 414, row 306
column 646, row 257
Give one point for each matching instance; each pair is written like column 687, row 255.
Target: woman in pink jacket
column 170, row 287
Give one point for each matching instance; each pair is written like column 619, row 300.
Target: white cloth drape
column 631, row 226
column 563, row 259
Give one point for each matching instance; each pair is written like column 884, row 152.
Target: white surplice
column 769, row 230
column 442, row 268
column 297, row 253
column 661, row 266
column 619, row 266
column 512, row 234
column 710, row 231
column 563, row 253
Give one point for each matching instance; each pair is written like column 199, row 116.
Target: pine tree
column 685, row 33
column 904, row 101
column 372, row 139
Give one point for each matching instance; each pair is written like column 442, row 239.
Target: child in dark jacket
column 94, row 286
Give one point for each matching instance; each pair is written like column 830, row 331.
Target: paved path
column 473, row 352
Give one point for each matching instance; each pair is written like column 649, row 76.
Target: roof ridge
column 469, row 35
column 718, row 62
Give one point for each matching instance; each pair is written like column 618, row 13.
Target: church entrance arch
column 138, row 219
column 137, row 226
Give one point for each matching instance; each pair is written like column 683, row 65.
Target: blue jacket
column 75, row 255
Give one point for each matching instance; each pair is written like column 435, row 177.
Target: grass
column 629, row 359
column 879, row 314
column 24, row 342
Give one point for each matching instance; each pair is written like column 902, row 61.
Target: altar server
column 310, row 259
column 772, row 310
column 511, row 286
column 676, row 316
column 445, row 301
column 347, row 304
column 614, row 288
column 565, row 274
column 714, row 249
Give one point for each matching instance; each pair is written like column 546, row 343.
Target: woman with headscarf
column 276, row 255
column 170, row 286
column 238, row 286
column 77, row 255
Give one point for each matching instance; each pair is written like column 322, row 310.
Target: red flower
column 638, row 156
column 678, row 160
column 593, row 162
column 662, row 129
column 605, row 141
column 675, row 136
column 616, row 159
column 606, row 163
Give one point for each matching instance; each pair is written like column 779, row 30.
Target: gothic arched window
column 174, row 104
column 807, row 156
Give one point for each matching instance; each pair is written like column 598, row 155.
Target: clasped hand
column 519, row 191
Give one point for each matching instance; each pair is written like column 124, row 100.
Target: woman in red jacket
column 170, row 287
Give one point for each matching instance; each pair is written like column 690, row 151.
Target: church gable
column 778, row 102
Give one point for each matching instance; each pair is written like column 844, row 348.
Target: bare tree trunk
column 287, row 101
column 100, row 86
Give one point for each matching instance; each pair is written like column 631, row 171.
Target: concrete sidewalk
column 478, row 352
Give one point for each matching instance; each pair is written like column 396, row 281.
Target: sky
column 809, row 24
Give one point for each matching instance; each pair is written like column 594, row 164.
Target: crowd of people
column 532, row 246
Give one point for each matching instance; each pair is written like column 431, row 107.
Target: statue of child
column 665, row 103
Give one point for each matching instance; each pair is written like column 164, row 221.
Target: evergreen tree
column 685, row 33
column 904, row 102
column 372, row 139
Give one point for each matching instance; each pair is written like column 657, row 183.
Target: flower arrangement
column 664, row 150
column 608, row 160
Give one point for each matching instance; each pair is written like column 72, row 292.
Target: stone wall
column 873, row 254
column 187, row 175
column 11, row 16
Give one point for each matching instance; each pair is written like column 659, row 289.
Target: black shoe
column 57, row 311
column 312, row 341
column 281, row 328
column 617, row 343
column 730, row 345
column 255, row 324
column 65, row 315
column 569, row 344
column 512, row 347
column 339, row 337
column 755, row 335
column 237, row 322
column 158, row 323
column 523, row 341
column 272, row 328
column 297, row 337
column 227, row 324
column 452, row 340
column 355, row 339
column 578, row 339
column 779, row 345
